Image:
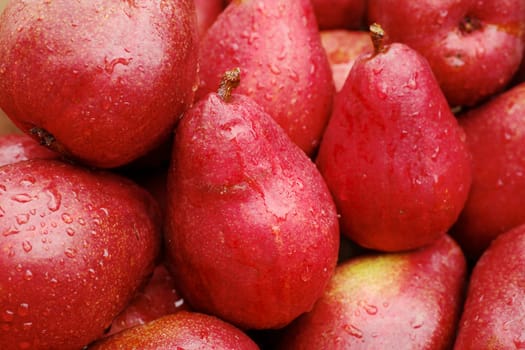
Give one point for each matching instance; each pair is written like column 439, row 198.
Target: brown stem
column 45, row 138
column 230, row 81
column 377, row 34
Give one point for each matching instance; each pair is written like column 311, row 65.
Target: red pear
column 474, row 47
column 252, row 231
column 284, row 68
column 494, row 311
column 74, row 247
column 496, row 203
column 183, row 330
column 100, row 81
column 387, row 301
column 393, row 153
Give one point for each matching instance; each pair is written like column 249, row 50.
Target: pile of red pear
column 262, row 174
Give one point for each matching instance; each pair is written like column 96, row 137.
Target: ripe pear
column 473, row 47
column 74, row 247
column 276, row 44
column 494, row 311
column 408, row 300
column 252, row 231
column 183, row 330
column 393, row 153
column 496, row 202
column 103, row 82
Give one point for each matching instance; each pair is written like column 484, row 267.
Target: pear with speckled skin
column 406, row 300
column 252, row 231
column 75, row 245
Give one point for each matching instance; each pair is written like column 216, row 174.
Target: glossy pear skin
column 105, row 81
column 74, row 247
column 276, row 45
column 493, row 315
column 474, row 47
column 393, row 153
column 406, row 300
column 183, row 330
column 17, row 147
column 252, row 231
column 496, row 200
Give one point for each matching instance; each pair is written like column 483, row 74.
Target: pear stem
column 229, row 81
column 377, row 34
column 45, row 138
